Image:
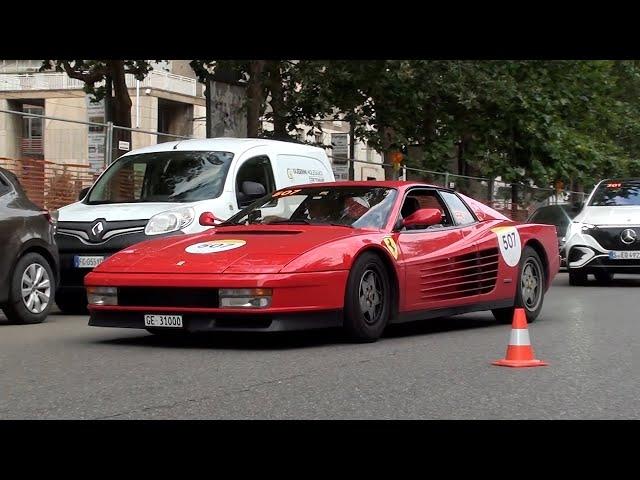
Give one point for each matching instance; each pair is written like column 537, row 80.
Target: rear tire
column 577, row 278
column 529, row 290
column 72, row 303
column 367, row 303
column 31, row 290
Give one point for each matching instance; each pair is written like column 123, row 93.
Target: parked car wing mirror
column 423, row 217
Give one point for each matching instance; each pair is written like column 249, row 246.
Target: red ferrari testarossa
column 358, row 255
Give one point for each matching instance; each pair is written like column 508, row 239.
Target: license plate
column 82, row 261
column 170, row 321
column 622, row 255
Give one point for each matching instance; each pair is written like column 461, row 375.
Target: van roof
column 236, row 146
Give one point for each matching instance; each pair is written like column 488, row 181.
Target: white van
column 172, row 188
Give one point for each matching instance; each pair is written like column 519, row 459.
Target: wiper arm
column 292, row 222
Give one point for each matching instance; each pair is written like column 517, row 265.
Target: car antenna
column 176, row 145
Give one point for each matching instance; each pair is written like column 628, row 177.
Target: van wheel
column 31, row 290
column 72, row 303
column 367, row 303
column 530, row 289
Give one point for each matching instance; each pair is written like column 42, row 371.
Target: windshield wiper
column 291, row 222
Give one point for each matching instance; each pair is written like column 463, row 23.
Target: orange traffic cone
column 519, row 351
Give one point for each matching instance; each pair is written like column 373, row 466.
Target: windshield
column 617, row 194
column 174, row 176
column 357, row 207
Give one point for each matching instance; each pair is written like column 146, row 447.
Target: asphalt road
column 437, row 369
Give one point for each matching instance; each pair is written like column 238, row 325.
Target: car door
column 437, row 260
column 10, row 226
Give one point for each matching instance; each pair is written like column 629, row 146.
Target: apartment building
column 164, row 102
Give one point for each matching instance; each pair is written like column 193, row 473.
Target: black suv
column 29, row 264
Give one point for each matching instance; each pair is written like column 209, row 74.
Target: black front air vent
column 168, row 297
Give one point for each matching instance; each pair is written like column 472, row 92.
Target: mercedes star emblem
column 628, row 236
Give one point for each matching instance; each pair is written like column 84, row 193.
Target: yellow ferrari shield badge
column 391, row 246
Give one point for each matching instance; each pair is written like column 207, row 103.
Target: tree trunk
column 277, row 101
column 121, row 113
column 387, row 142
column 255, row 97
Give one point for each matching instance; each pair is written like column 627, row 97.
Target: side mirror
column 208, row 219
column 577, row 207
column 83, row 193
column 425, row 217
column 253, row 189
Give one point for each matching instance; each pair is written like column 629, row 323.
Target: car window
column 460, row 212
column 419, row 199
column 552, row 216
column 616, row 193
column 4, row 186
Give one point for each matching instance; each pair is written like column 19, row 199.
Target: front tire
column 530, row 289
column 72, row 303
column 603, row 277
column 31, row 290
column 367, row 303
column 577, row 278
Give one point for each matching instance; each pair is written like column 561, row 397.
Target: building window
column 32, row 126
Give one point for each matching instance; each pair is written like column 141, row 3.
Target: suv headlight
column 102, row 295
column 579, row 227
column 170, row 221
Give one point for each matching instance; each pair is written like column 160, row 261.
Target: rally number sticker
column 285, row 193
column 391, row 246
column 509, row 243
column 214, row 246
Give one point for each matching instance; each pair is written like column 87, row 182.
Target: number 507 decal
column 509, row 243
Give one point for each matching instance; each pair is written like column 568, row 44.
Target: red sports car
column 359, row 255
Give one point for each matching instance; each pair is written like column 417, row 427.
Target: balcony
column 60, row 81
column 31, row 147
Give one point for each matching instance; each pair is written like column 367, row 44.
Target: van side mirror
column 83, row 193
column 253, row 189
column 577, row 207
column 425, row 217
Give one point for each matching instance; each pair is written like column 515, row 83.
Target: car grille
column 168, row 297
column 609, row 238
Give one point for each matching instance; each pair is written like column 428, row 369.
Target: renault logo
column 628, row 236
column 97, row 229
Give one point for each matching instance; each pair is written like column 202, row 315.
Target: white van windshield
column 174, row 176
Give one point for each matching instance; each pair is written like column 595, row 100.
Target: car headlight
column 579, row 227
column 245, row 297
column 170, row 221
column 102, row 295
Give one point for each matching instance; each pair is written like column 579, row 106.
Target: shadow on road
column 619, row 280
column 294, row 340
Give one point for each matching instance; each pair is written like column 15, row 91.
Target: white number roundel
column 214, row 246
column 509, row 243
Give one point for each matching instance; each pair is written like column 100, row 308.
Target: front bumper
column 300, row 300
column 212, row 322
column 584, row 253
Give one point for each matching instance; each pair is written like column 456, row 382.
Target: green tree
column 101, row 78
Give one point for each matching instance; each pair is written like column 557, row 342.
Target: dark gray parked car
column 560, row 216
column 29, row 260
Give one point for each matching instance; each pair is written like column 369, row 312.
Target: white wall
column 10, row 128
